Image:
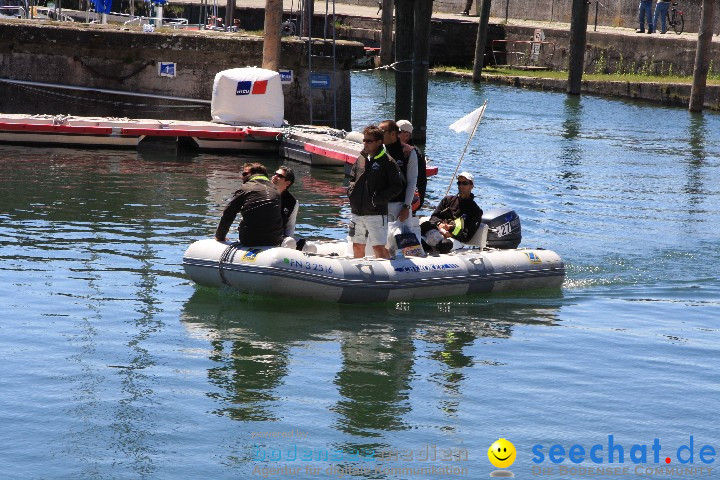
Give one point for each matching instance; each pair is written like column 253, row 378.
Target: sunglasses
column 464, row 183
column 280, row 175
column 365, row 140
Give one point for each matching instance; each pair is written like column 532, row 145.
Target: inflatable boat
column 485, row 264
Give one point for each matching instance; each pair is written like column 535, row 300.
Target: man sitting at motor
column 457, row 216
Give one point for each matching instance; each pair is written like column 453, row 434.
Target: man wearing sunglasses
column 457, row 216
column 374, row 180
column 399, row 206
column 258, row 201
column 283, row 179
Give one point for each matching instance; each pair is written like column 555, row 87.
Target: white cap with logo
column 467, row 175
column 404, row 126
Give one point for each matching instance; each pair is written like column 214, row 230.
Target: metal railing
column 51, row 13
column 524, row 53
column 13, row 12
column 171, row 22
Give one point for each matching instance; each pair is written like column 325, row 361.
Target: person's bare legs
column 380, row 251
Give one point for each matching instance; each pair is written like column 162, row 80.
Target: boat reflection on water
column 369, row 355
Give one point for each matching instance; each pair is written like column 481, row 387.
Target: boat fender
column 356, row 137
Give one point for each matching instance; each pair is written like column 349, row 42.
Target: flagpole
column 477, row 122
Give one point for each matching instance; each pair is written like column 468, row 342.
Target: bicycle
column 675, row 19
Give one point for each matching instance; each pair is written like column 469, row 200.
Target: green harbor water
column 116, row 366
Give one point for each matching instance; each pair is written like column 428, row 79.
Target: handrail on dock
column 524, row 52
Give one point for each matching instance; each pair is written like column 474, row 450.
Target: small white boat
column 320, row 145
column 317, row 145
column 329, row 275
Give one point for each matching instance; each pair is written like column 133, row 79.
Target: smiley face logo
column 501, row 453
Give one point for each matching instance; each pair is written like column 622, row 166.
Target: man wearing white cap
column 405, row 136
column 406, row 129
column 457, row 216
column 399, row 207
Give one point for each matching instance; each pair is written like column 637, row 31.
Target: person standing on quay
column 661, row 10
column 645, row 11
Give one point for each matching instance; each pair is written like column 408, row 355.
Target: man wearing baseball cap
column 405, row 136
column 406, row 130
column 457, row 216
column 399, row 207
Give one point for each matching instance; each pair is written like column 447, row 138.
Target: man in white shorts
column 374, row 179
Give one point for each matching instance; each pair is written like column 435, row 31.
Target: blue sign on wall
column 286, row 76
column 319, row 80
column 166, row 69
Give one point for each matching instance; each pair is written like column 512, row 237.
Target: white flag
column 469, row 121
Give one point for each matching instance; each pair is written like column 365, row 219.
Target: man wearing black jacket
column 399, row 208
column 457, row 216
column 259, row 203
column 374, row 179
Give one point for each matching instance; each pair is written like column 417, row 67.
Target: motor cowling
column 504, row 228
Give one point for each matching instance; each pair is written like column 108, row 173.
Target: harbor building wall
column 117, row 58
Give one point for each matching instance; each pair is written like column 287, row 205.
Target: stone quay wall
column 116, row 58
column 452, row 43
column 670, row 94
column 617, row 53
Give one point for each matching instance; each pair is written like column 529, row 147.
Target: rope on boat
column 92, row 101
column 44, row 89
column 227, row 257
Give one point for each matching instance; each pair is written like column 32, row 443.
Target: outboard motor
column 504, row 225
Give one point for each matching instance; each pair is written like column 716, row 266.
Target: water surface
column 116, row 366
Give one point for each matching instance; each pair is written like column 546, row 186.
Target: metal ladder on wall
column 322, row 80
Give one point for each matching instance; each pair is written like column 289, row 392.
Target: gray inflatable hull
column 330, row 276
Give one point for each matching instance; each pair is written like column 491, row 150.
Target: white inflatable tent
column 248, row 96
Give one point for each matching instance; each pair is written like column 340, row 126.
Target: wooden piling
column 404, row 19
column 230, row 13
column 702, row 56
column 386, row 35
column 578, row 41
column 481, row 40
column 271, row 44
column 421, row 64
